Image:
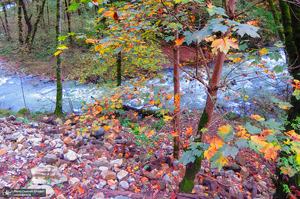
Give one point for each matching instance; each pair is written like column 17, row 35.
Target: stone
column 73, row 181
column 162, row 184
column 122, row 174
column 124, row 185
column 101, row 184
column 49, row 191
column 244, row 172
column 235, row 167
column 59, row 121
column 116, row 163
column 151, row 176
column 108, row 175
column 50, row 158
column 98, row 134
column 43, row 174
column 70, row 155
column 99, row 195
column 240, row 159
column 11, row 118
column 229, row 173
column 21, row 139
column 30, row 131
column 168, row 179
column 103, row 168
column 88, row 169
column 52, row 143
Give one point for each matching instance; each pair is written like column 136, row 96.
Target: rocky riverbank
column 72, row 165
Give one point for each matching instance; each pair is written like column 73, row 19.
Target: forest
column 150, row 99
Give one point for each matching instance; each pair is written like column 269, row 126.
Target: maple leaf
column 174, row 134
column 224, row 130
column 223, row 45
column 293, row 135
column 218, row 160
column 270, row 151
column 151, row 102
column 149, row 133
column 264, row 51
column 189, row 131
column 178, row 42
column 210, row 152
column 257, row 118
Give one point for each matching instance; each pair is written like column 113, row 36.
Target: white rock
column 102, row 168
column 73, row 181
column 124, row 185
column 70, row 155
column 117, row 162
column 122, row 174
column 21, row 139
column 49, row 191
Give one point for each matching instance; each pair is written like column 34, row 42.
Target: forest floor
column 51, row 153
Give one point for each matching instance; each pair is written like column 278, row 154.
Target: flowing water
column 39, row 95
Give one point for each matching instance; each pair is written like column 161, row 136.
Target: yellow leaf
column 100, row 10
column 257, row 118
column 264, row 51
column 224, row 130
column 223, row 45
column 174, row 134
column 167, row 118
column 236, row 60
column 210, row 152
column 106, row 128
column 57, row 52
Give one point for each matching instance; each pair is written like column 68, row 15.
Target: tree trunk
column 176, row 80
column 58, row 108
column 3, row 25
column 20, row 26
column 290, row 19
column 6, row 23
column 119, row 71
column 67, row 3
column 37, row 21
column 187, row 183
column 28, row 23
column 276, row 19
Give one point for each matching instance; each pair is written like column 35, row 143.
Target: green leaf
column 275, row 56
column 62, row 38
column 74, row 6
column 242, row 143
column 216, row 10
column 219, row 27
column 296, row 93
column 200, row 35
column 175, row 25
column 252, row 129
column 62, row 47
column 229, row 151
column 218, row 161
column 243, row 47
column 278, row 69
column 243, row 29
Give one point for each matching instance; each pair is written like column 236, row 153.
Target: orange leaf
column 151, row 102
column 223, row 45
column 178, row 42
column 81, row 190
column 189, row 131
column 227, row 98
column 270, row 151
column 174, row 134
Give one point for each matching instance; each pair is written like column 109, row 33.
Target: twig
column 247, row 8
column 23, row 93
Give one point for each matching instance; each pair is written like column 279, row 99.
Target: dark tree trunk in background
column 67, row 3
column 6, row 23
column 37, row 21
column 276, row 19
column 27, row 21
column 20, row 26
column 119, row 67
column 3, row 25
column 58, row 107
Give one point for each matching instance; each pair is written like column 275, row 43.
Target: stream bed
column 40, row 95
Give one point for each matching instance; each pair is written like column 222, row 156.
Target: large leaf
column 243, row 29
column 242, row 143
column 252, row 129
column 229, row 151
column 223, row 44
column 218, row 161
column 212, row 10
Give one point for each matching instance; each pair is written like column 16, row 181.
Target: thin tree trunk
column 6, row 23
column 67, row 3
column 37, row 21
column 3, row 25
column 276, row 19
column 58, row 107
column 119, row 66
column 192, row 168
column 28, row 23
column 20, row 26
column 48, row 12
column 176, row 120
